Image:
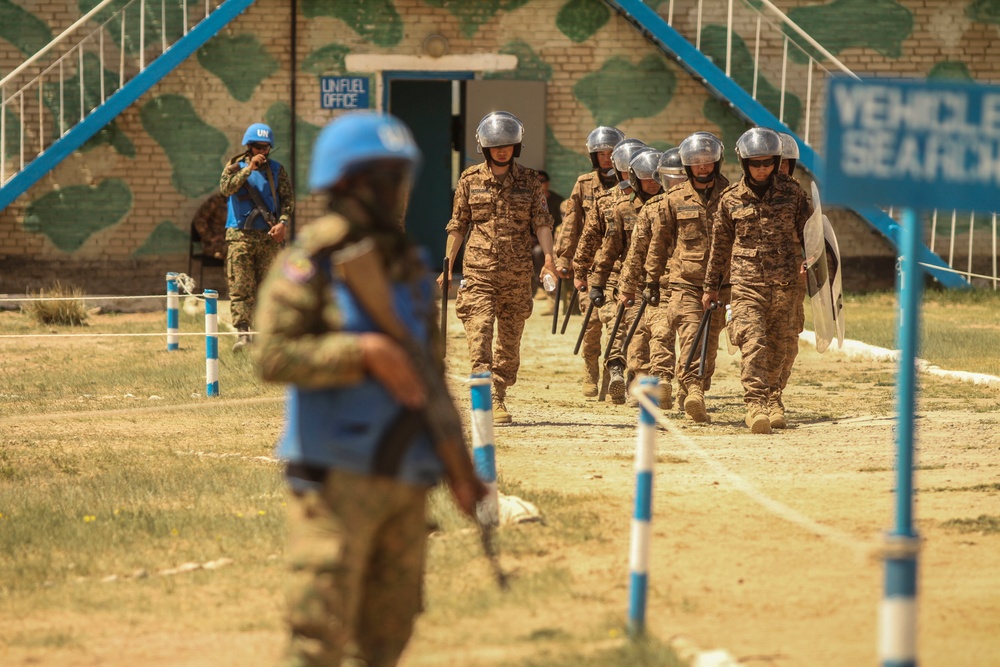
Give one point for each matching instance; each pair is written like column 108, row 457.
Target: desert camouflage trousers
column 637, row 356
column 662, row 341
column 764, row 319
column 356, row 550
column 504, row 299
column 590, row 349
column 791, row 347
column 250, row 255
column 686, row 313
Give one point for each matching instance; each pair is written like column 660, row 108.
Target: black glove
column 651, row 295
column 597, row 296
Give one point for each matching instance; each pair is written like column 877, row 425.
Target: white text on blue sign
column 344, row 92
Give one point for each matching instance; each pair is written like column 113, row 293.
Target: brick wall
column 194, row 119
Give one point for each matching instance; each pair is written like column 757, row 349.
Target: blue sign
column 919, row 144
column 344, row 92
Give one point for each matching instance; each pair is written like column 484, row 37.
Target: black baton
column 635, row 325
column 573, row 300
column 614, row 328
column 583, row 329
column 555, row 310
column 445, row 287
column 696, row 343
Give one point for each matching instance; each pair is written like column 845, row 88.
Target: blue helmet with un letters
column 258, row 133
column 353, row 140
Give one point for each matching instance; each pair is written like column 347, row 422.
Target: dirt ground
column 762, row 545
column 765, row 546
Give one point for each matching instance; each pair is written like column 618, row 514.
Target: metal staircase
column 721, row 82
column 48, row 126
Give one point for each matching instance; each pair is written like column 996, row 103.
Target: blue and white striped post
column 483, row 449
column 173, row 313
column 642, row 516
column 898, row 615
column 211, row 342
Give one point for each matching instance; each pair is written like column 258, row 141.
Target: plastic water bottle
column 549, row 282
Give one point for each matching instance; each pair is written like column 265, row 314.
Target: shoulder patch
column 298, row 269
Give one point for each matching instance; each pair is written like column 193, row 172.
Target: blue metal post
column 483, row 449
column 211, row 342
column 898, row 616
column 642, row 516
column 173, row 312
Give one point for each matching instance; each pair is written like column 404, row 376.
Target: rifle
column 445, row 287
column 360, row 267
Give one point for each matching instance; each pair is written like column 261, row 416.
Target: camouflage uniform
column 576, row 209
column 678, row 254
column 606, row 272
column 594, row 228
column 210, row 223
column 357, row 541
column 251, row 251
column 499, row 218
column 762, row 237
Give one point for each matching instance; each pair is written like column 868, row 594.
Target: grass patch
column 70, row 312
column 984, row 523
column 987, row 488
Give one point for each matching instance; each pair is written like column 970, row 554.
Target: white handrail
column 809, row 40
column 45, row 49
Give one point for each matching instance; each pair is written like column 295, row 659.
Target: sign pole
column 898, row 617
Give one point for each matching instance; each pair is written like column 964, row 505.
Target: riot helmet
column 789, row 151
column 643, row 167
column 622, row 154
column 759, row 143
column 670, row 169
column 602, row 138
column 701, row 148
column 499, row 128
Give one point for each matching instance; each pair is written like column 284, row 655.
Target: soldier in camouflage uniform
column 499, row 205
column 251, row 182
column 594, row 228
column 601, row 178
column 776, row 406
column 758, row 227
column 210, row 223
column 678, row 251
column 607, row 270
column 662, row 337
column 358, row 482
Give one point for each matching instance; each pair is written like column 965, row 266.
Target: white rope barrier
column 861, row 548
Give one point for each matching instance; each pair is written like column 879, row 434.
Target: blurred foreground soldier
column 678, row 251
column 600, row 143
column 759, row 228
column 210, row 222
column 261, row 201
column 360, row 438
column 499, row 205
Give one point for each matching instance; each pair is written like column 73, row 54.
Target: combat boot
column 776, row 412
column 757, row 419
column 681, row 396
column 501, row 417
column 664, row 394
column 616, row 383
column 242, row 341
column 694, row 404
column 591, row 379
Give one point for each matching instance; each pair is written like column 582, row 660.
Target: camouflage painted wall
column 122, row 204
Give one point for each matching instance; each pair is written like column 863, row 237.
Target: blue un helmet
column 258, row 133
column 356, row 139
